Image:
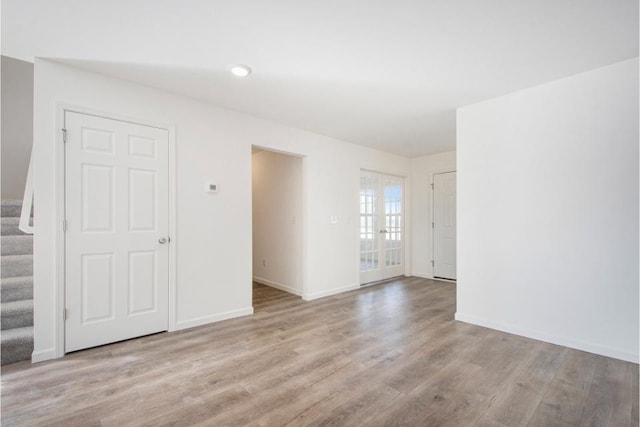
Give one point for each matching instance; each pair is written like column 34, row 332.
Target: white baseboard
column 315, row 295
column 199, row 321
column 42, row 355
column 550, row 338
column 276, row 285
column 440, row 279
column 430, row 277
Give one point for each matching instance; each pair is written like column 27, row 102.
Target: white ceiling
column 382, row 73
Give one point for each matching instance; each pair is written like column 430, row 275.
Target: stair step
column 10, row 208
column 16, row 344
column 16, row 288
column 16, row 314
column 10, row 227
column 16, row 245
column 16, row 266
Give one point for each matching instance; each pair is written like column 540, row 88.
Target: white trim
column 173, row 266
column 305, row 224
column 422, row 275
column 315, row 295
column 60, row 244
column 553, row 339
column 204, row 320
column 59, row 170
column 42, row 355
column 27, row 201
column 438, row 279
column 277, row 285
column 433, row 213
column 442, row 279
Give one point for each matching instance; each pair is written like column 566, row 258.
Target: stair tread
column 25, row 257
column 16, row 288
column 10, row 202
column 18, row 237
column 17, row 333
column 13, row 281
column 16, row 244
column 16, row 306
column 10, row 226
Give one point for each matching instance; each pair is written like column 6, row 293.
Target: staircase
column 16, row 286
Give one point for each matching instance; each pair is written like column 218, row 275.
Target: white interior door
column 117, row 223
column 381, row 226
column 444, row 225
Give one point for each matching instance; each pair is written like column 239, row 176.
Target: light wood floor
column 384, row 355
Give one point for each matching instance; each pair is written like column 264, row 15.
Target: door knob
column 383, row 231
column 162, row 240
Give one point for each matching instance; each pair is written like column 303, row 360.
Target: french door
column 117, row 223
column 381, row 226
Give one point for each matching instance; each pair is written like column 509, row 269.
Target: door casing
column 59, row 215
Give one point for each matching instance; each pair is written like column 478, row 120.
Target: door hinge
column 432, row 185
column 64, row 314
column 64, row 135
column 433, row 263
column 433, row 225
column 64, row 225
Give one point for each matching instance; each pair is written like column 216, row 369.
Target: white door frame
column 59, row 215
column 433, row 215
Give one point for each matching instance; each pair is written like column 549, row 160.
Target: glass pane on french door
column 369, row 219
column 393, row 221
column 381, row 226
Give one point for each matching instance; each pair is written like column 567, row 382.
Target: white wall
column 213, row 238
column 16, row 124
column 548, row 212
column 422, row 170
column 277, row 220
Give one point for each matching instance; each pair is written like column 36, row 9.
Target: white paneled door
column 381, row 226
column 444, row 225
column 117, row 224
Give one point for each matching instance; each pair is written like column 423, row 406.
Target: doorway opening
column 444, row 226
column 381, row 226
column 277, row 209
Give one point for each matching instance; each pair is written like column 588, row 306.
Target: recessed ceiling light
column 240, row 70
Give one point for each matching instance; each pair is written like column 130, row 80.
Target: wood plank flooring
column 384, row 355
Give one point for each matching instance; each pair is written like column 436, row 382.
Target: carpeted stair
column 16, row 286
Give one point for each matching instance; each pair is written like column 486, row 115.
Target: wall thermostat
column 211, row 188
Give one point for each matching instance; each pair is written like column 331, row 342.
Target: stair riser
column 17, row 293
column 16, row 350
column 16, row 245
column 17, row 319
column 8, row 211
column 10, row 229
column 16, row 268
